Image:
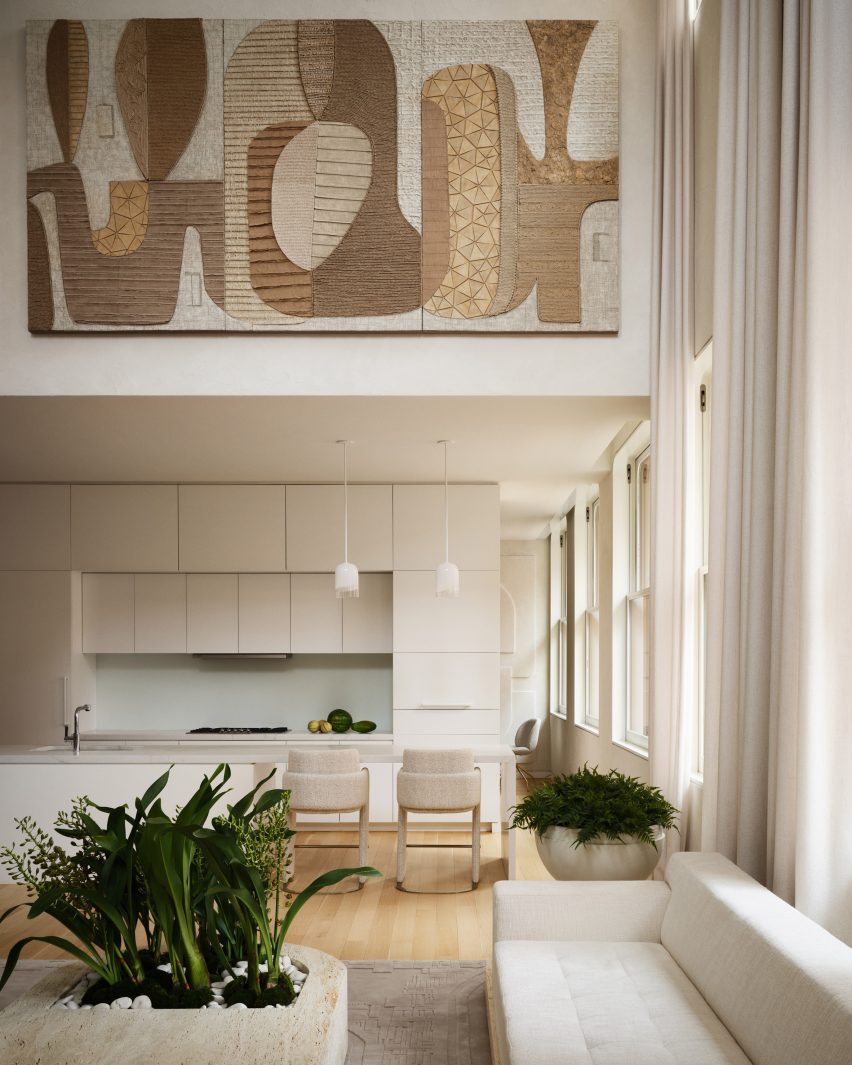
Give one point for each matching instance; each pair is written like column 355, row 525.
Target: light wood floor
column 378, row 921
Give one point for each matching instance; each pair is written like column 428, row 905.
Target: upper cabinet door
column 35, row 527
column 418, row 526
column 227, row 528
column 212, row 605
column 368, row 620
column 108, row 613
column 159, row 609
column 264, row 613
column 423, row 622
column 315, row 527
column 315, row 614
column 121, row 527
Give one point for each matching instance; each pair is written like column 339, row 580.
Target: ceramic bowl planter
column 312, row 1031
column 603, row 859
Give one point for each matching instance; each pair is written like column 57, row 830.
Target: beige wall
column 327, row 364
column 705, row 107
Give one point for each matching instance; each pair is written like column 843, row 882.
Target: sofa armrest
column 580, row 910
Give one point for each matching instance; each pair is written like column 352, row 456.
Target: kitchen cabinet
column 423, row 622
column 264, row 613
column 436, row 680
column 212, row 613
column 316, row 617
column 35, row 527
column 418, row 526
column 159, row 612
column 35, row 657
column 447, row 722
column 108, row 624
column 315, row 527
column 124, row 528
column 368, row 620
column 229, row 528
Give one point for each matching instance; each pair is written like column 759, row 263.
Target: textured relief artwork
column 318, row 175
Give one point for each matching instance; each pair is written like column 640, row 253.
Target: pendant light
column 346, row 574
column 447, row 573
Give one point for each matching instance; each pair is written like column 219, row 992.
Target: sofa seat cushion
column 598, row 1003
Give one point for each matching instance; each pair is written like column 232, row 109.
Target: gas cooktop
column 237, row 730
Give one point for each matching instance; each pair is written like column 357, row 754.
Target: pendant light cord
column 446, row 510
column 345, row 504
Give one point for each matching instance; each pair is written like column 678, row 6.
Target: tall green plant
column 607, row 805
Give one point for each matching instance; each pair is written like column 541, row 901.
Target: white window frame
column 703, row 371
column 624, row 558
column 592, row 612
column 637, row 590
column 563, row 627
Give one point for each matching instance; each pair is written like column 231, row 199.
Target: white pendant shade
column 447, row 580
column 346, row 581
column 446, row 572
column 346, row 573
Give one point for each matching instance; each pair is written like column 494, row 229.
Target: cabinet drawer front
column 211, row 613
column 423, row 622
column 446, row 723
column 264, row 613
column 438, row 680
column 108, row 613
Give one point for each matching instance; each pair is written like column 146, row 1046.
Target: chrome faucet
column 75, row 735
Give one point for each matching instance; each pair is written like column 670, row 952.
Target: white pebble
column 122, row 1003
column 263, row 967
column 297, row 988
column 227, row 978
column 141, row 1002
column 285, row 961
column 238, row 1006
column 243, row 963
column 280, row 1006
column 269, row 1007
column 102, row 1006
column 214, row 1005
column 86, row 1006
column 219, row 985
column 59, row 1006
column 167, row 968
column 72, row 1005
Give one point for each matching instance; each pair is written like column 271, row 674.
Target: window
column 563, row 629
column 591, row 626
column 639, row 590
column 703, row 375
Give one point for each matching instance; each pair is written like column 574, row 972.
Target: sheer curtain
column 673, row 541
column 778, row 743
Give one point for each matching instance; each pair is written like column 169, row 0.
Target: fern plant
column 597, row 805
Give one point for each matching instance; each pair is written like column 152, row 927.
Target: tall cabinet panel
column 418, row 526
column 35, row 655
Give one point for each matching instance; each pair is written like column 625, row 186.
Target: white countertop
column 125, row 748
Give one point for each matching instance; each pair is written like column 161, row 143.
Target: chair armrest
column 580, row 910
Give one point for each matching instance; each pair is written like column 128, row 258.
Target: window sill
column 562, row 715
column 587, row 728
column 640, row 752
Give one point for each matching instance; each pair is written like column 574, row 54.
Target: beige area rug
column 400, row 1012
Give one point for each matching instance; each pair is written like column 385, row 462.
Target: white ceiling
column 537, row 448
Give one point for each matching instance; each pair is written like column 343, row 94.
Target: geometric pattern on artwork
column 468, row 97
column 274, row 158
column 128, row 220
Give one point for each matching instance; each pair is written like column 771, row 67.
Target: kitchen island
column 115, row 768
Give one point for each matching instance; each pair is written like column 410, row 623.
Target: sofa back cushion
column 780, row 984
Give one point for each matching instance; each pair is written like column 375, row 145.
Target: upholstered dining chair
column 437, row 782
column 327, row 781
column 526, row 742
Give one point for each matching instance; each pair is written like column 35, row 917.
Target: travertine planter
column 602, row 860
column 313, row 1031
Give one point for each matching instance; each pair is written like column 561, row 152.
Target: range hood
column 212, row 656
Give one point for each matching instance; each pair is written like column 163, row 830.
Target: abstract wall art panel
column 322, row 175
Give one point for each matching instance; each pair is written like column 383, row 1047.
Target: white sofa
column 708, row 968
